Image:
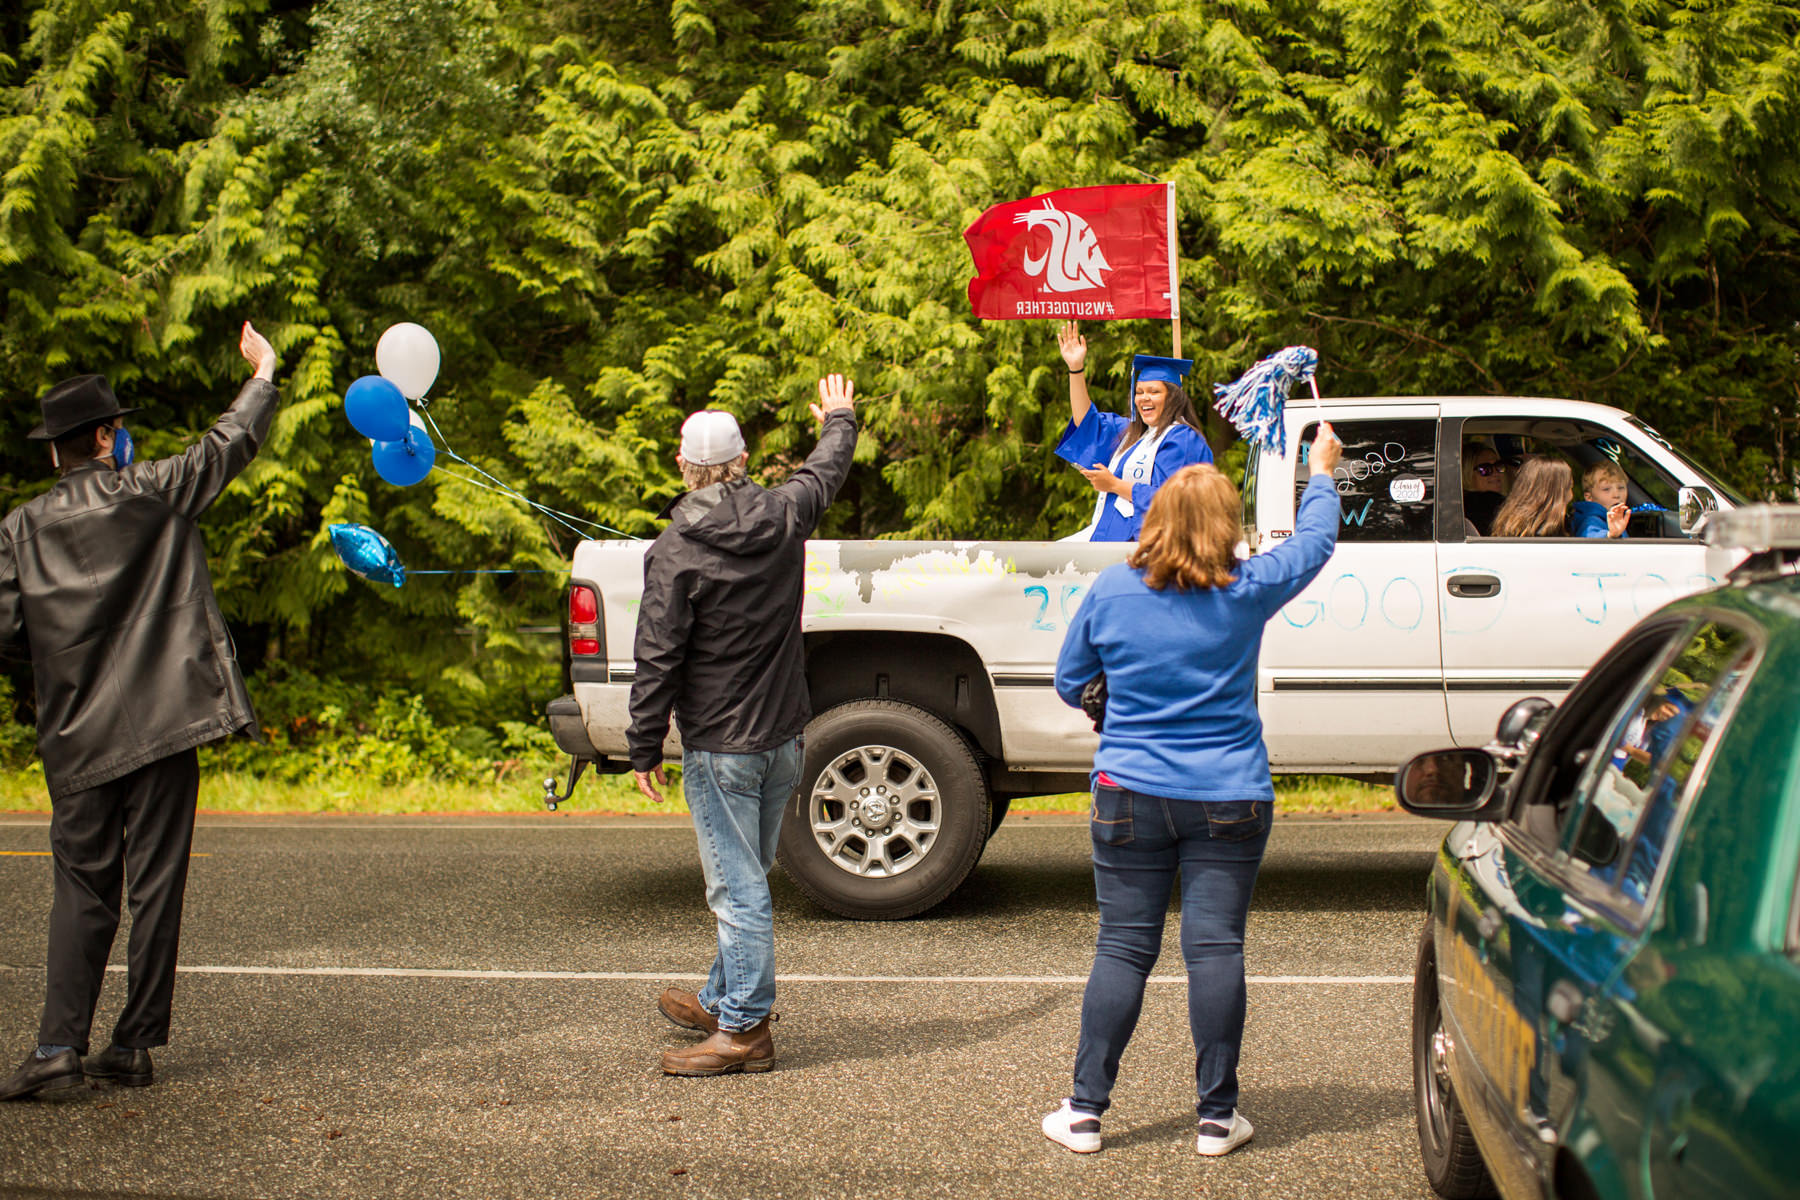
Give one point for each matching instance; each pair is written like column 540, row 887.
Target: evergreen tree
column 610, row 219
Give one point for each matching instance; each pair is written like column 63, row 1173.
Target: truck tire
column 999, row 805
column 1453, row 1164
column 891, row 815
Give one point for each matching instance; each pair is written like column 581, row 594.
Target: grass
column 522, row 792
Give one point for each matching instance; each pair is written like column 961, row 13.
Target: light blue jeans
column 737, row 801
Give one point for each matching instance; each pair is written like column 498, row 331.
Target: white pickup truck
column 930, row 663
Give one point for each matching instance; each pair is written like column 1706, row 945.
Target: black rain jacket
column 103, row 579
column 718, row 630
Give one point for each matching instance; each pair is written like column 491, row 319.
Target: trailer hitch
column 551, row 799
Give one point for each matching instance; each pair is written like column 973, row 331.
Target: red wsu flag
column 1096, row 252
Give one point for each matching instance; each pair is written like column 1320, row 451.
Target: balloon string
column 512, row 495
column 514, row 492
column 487, row 571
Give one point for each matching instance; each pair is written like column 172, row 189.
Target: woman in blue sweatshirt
column 1181, row 779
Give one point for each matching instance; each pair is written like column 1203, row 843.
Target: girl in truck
column 1181, row 778
column 1538, row 505
column 1128, row 459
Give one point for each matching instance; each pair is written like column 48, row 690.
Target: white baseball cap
column 710, row 437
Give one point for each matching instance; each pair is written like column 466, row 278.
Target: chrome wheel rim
column 875, row 812
column 1434, row 1080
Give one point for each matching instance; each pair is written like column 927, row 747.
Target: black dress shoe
column 58, row 1077
column 121, row 1065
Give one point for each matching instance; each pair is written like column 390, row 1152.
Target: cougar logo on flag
column 1074, row 262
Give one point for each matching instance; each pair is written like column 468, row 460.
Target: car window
column 1495, row 450
column 1387, row 481
column 1631, row 789
column 1545, row 796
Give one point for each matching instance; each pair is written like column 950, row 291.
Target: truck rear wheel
column 891, row 815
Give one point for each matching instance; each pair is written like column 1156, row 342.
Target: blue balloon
column 376, row 408
column 367, row 554
column 406, row 461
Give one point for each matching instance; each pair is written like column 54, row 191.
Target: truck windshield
column 1712, row 479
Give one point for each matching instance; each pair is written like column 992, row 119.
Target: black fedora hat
column 73, row 403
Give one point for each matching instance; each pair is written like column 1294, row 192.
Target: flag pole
column 1174, row 272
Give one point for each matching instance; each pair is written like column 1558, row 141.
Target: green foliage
column 610, row 218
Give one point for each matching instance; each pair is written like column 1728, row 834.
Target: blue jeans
column 1140, row 843
column 737, row 801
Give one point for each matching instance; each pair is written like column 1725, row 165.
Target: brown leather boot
column 683, row 1008
column 724, row 1052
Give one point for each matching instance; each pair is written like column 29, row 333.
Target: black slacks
column 140, row 828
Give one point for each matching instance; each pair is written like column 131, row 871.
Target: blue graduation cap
column 1154, row 369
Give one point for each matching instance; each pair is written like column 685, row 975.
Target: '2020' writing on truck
column 930, row 663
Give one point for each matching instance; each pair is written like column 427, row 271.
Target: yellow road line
column 46, row 854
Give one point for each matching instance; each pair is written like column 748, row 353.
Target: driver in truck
column 719, row 641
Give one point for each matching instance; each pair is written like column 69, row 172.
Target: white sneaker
column 1215, row 1139
column 1077, row 1131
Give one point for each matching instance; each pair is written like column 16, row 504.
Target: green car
column 1607, row 998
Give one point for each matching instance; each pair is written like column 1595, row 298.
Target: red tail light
column 584, row 621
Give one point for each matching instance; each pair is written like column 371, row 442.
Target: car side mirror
column 1453, row 784
column 1693, row 503
column 1517, row 720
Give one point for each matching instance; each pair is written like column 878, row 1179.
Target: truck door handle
column 1474, row 587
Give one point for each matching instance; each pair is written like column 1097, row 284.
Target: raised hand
column 257, row 352
column 1072, row 345
column 1617, row 518
column 835, row 392
column 1326, row 450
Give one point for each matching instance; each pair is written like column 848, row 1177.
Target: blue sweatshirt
column 1095, row 440
column 1587, row 518
column 1180, row 667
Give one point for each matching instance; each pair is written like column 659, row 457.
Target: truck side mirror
column 1694, row 503
column 1454, row 784
column 1516, row 721
column 1596, row 842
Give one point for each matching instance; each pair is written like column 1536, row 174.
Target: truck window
column 1387, row 482
column 1248, row 492
column 1495, row 449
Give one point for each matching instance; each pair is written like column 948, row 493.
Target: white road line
column 677, row 976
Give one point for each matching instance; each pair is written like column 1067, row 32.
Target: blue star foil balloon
column 367, row 554
column 1254, row 403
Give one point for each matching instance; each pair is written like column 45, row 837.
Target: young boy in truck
column 1601, row 511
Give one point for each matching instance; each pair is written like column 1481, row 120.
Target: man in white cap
column 719, row 641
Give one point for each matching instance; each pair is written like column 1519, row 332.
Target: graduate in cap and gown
column 1128, row 458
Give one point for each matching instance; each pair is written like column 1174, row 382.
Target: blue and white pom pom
column 1254, row 403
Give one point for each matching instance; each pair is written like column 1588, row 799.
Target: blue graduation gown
column 1095, row 440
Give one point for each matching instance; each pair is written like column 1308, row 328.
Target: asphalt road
column 465, row 1007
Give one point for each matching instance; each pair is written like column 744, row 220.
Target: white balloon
column 407, row 355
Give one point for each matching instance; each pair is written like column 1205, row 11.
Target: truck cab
column 1421, row 623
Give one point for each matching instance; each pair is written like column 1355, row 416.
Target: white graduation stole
column 1139, row 463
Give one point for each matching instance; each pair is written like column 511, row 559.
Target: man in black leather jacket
column 103, row 580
